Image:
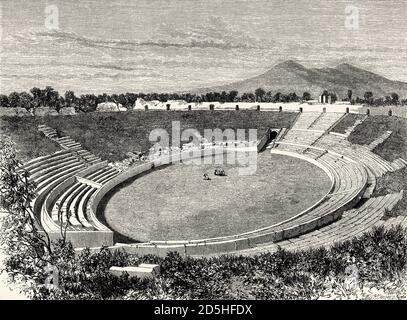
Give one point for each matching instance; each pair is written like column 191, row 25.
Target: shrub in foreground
column 379, row 255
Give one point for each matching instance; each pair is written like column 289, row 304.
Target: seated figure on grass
column 206, row 177
column 220, row 172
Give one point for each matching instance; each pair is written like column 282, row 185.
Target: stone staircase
column 379, row 140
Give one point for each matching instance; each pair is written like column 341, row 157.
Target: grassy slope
column 394, row 182
column 111, row 135
column 374, row 126
column 394, row 147
column 30, row 143
column 347, row 122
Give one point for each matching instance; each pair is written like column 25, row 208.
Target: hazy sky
column 172, row 45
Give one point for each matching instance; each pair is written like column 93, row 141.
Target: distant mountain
column 290, row 76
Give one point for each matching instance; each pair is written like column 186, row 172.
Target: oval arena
column 324, row 196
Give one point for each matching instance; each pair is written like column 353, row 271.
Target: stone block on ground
column 143, row 271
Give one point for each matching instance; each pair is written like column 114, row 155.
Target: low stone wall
column 86, row 239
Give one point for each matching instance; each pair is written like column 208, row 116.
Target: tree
column 277, row 97
column 70, row 99
column 4, row 103
column 350, row 95
column 268, row 97
column 38, row 99
column 259, row 93
column 306, row 96
column 26, row 100
column 51, row 98
column 19, row 227
column 14, row 99
column 87, row 103
column 394, row 98
column 29, row 250
column 232, row 95
column 292, row 97
column 368, row 96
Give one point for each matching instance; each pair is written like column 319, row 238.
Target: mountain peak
column 290, row 76
column 289, row 64
column 346, row 66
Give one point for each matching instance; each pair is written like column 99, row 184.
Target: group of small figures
column 218, row 172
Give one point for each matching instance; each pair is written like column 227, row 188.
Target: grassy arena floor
column 175, row 203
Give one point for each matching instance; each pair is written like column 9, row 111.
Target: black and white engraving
column 203, row 150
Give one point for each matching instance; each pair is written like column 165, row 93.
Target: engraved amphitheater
column 76, row 188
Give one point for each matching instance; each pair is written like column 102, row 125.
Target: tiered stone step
column 52, row 180
column 88, row 156
column 308, row 129
column 48, row 132
column 72, row 199
column 371, row 184
column 392, row 222
column 379, row 140
column 43, row 161
column 326, row 121
column 350, row 129
column 376, row 164
column 352, row 224
column 399, row 164
column 67, row 143
column 306, row 119
column 301, row 139
column 314, row 153
column 53, row 168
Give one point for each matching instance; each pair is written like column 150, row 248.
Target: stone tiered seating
column 399, row 164
column 306, row 119
column 49, row 132
column 58, row 172
column 74, row 200
column 352, row 224
column 68, row 143
column 40, row 162
column 379, row 140
column 53, row 168
column 308, row 128
column 88, row 156
column 374, row 162
column 314, row 153
column 82, row 201
column 326, row 121
column 301, row 139
column 392, row 222
column 350, row 129
column 349, row 180
column 49, row 172
column 59, row 192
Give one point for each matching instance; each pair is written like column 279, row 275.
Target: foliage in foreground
column 377, row 256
